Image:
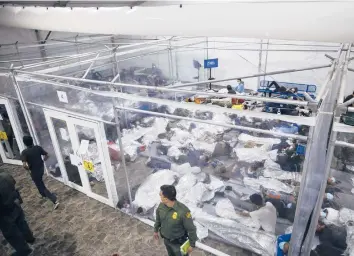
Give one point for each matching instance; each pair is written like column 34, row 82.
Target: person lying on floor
column 266, row 215
column 283, row 244
column 284, row 204
column 332, row 237
column 281, row 89
column 330, row 202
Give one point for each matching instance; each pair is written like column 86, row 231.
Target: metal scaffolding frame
column 319, row 149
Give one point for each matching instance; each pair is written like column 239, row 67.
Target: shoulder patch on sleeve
column 188, row 215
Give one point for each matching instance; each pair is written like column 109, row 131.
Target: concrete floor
column 82, row 226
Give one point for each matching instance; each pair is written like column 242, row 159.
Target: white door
column 10, row 134
column 83, row 157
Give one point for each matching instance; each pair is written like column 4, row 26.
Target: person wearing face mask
column 174, row 222
column 283, row 244
column 329, row 202
column 240, row 87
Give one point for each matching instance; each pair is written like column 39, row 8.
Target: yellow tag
column 174, row 215
column 3, row 135
column 188, row 215
column 88, row 166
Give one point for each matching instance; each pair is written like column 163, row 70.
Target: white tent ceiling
column 326, row 21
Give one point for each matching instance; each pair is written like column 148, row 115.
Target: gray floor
column 85, row 227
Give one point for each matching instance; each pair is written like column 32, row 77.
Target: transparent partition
column 230, row 179
column 335, row 228
column 149, row 67
column 188, row 59
column 6, row 85
column 43, row 135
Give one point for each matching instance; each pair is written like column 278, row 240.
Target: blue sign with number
column 211, row 63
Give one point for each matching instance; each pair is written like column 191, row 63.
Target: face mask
column 281, row 245
column 333, row 180
column 323, row 214
column 329, row 196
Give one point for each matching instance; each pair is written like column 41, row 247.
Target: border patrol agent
column 174, row 222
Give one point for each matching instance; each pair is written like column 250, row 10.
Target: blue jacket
column 282, row 238
column 240, row 88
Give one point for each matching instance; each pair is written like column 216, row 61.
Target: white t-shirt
column 266, row 216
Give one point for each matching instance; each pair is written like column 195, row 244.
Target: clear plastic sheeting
column 237, row 234
column 211, row 177
column 147, row 195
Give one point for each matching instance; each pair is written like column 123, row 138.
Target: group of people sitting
column 332, row 237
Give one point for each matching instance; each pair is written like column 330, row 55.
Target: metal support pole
column 260, row 62
column 329, row 77
column 114, row 58
column 344, row 80
column 330, row 57
column 266, row 61
column 115, row 78
column 91, row 65
column 18, row 53
column 25, row 110
column 176, row 59
column 315, row 175
column 307, row 246
column 170, row 62
column 41, row 47
column 116, row 117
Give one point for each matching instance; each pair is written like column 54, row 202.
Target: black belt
column 181, row 240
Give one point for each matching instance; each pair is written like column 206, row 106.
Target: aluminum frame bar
column 89, row 68
column 108, row 50
column 324, row 87
column 343, row 144
column 172, row 88
column 312, row 182
column 308, row 121
column 236, row 127
column 344, row 79
column 115, row 78
column 254, row 75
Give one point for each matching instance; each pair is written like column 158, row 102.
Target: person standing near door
column 32, row 160
column 13, row 224
column 174, row 222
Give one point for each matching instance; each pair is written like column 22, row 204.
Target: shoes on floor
column 26, row 253
column 32, row 241
column 56, row 205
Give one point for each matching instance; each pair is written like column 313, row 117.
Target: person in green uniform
column 174, row 222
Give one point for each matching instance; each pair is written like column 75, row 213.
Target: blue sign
column 211, row 63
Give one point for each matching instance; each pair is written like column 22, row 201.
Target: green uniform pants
column 172, row 249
